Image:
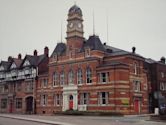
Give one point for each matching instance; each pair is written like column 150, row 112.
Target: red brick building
column 88, row 75
column 156, row 74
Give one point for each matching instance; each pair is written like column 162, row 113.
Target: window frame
column 88, row 75
column 79, row 77
column 18, row 103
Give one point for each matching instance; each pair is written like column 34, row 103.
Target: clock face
column 79, row 25
column 70, row 25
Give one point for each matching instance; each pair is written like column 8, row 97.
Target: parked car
column 162, row 109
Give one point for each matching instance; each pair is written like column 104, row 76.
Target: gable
column 26, row 63
column 13, row 66
column 1, row 68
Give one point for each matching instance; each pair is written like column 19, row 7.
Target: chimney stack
column 19, row 56
column 9, row 59
column 35, row 52
column 46, row 51
column 162, row 60
column 133, row 49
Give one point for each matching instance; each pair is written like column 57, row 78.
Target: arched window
column 88, row 75
column 79, row 76
column 71, row 77
column 62, row 78
column 55, row 79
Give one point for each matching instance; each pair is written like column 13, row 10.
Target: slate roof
column 152, row 61
column 94, row 43
column 59, row 49
column 17, row 62
column 75, row 9
column 34, row 60
column 5, row 64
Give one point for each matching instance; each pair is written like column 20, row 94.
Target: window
column 103, row 98
column 43, row 100
column 58, row 100
column 55, row 79
column 162, row 86
column 1, row 89
column 71, row 77
column 3, row 103
column 137, row 86
column 135, row 68
column 44, row 82
column 103, row 77
column 62, row 78
column 79, row 76
column 18, row 103
column 6, row 88
column 29, row 86
column 87, row 52
column 162, row 74
column 84, row 98
column 88, row 75
column 55, row 57
column 18, row 86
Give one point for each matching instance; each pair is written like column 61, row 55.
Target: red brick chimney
column 46, row 51
column 35, row 52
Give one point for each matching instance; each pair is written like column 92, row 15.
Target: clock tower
column 75, row 28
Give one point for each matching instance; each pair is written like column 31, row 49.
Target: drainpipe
column 114, row 90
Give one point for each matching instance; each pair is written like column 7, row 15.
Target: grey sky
column 26, row 25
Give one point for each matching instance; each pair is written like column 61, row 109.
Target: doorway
column 29, row 105
column 71, row 102
column 137, row 107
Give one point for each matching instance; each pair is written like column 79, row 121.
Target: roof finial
column 93, row 23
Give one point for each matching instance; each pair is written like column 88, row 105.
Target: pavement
column 82, row 120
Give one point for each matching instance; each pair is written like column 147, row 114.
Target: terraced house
column 89, row 75
column 18, row 79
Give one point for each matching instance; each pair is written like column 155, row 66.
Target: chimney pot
column 46, row 51
column 162, row 60
column 133, row 49
column 19, row 56
column 35, row 52
column 9, row 59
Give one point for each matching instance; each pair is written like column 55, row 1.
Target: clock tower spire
column 75, row 28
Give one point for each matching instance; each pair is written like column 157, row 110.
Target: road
column 79, row 120
column 9, row 121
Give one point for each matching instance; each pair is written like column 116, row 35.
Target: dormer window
column 87, row 52
column 26, row 63
column 55, row 57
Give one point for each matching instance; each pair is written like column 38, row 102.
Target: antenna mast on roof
column 93, row 23
column 107, row 25
column 61, row 32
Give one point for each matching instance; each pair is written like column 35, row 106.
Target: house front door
column 71, row 102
